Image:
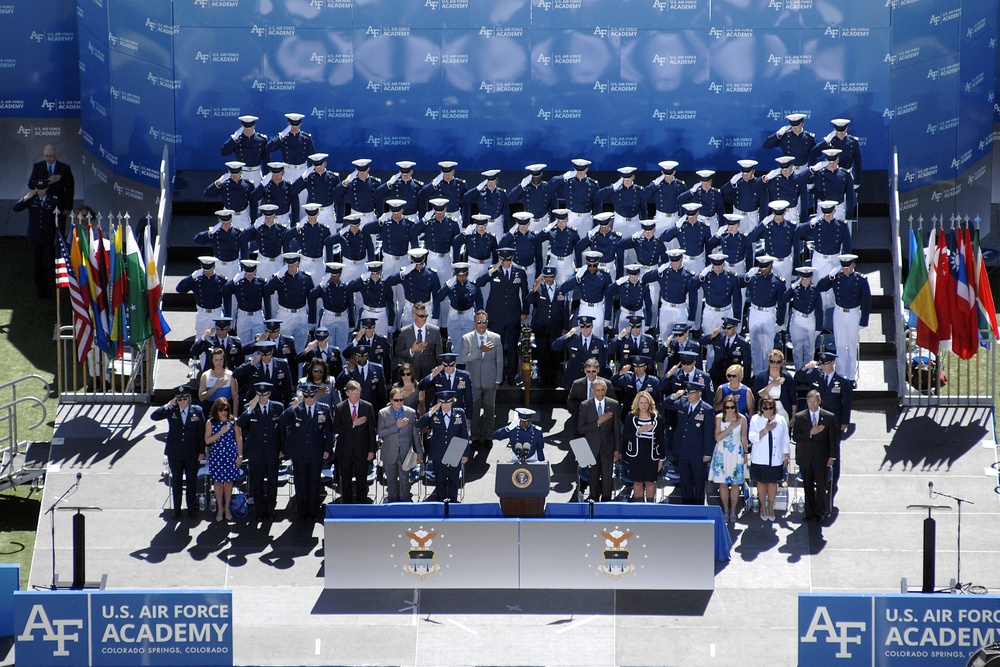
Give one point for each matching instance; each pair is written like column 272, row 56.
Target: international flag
column 118, row 288
column 984, row 295
column 62, row 270
column 138, row 306
column 98, row 301
column 154, row 293
column 82, row 329
column 917, row 294
column 965, row 321
column 944, row 293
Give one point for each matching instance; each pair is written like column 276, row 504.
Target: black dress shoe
column 489, row 444
column 193, row 514
column 176, row 514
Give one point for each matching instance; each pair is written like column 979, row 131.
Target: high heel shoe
column 229, row 516
column 218, row 516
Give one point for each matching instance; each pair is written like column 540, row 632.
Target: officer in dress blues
column 526, row 244
column 478, row 246
column 631, row 341
column 678, row 290
column 445, row 423
column 633, row 297
column 648, row 252
column 336, row 312
column 309, row 239
column 376, row 297
column 264, row 366
column 267, row 237
column 369, row 375
column 207, row 287
column 634, row 377
column 295, row 147
column 581, row 343
column 438, row 230
column 730, row 348
column 749, row 196
column 356, row 247
column 676, row 376
column 604, row 240
column 710, row 198
column 534, row 196
column 831, row 237
column 692, row 234
column 836, row 390
column 525, row 440
column 184, row 449
column 694, row 439
column 578, row 192
column 235, row 192
column 592, row 285
column 276, row 190
column 805, row 315
column 766, row 309
column 720, row 292
column 308, row 426
column 784, row 184
column 319, row 348
column 318, row 184
column 464, row 299
column 41, row 234
column 378, row 346
column 853, row 305
column 250, row 147
column 491, row 201
column 220, row 336
column 447, row 377
column 849, row 146
column 507, row 306
column 679, row 340
column 562, row 241
column 832, row 183
column 224, row 239
column 263, row 441
column 445, row 186
column 665, row 191
column 420, row 283
column 357, row 192
column 549, row 320
column 625, row 198
column 252, row 307
column 795, row 142
column 777, row 235
column 732, row 243
column 292, row 288
column 403, row 187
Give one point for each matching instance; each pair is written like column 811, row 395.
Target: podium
column 522, row 488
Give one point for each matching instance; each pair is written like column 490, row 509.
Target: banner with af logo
column 895, row 630
column 105, row 628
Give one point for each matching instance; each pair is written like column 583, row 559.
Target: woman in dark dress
column 225, row 455
column 642, row 440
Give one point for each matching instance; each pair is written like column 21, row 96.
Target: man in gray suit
column 600, row 423
column 419, row 343
column 482, row 354
column 397, row 428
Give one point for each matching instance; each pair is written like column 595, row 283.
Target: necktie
column 815, row 418
column 52, row 169
column 586, row 343
column 309, row 411
column 829, row 380
column 420, row 335
column 267, row 372
column 552, row 295
column 482, row 341
column 184, row 416
column 447, row 422
column 600, row 408
column 590, row 390
column 354, row 412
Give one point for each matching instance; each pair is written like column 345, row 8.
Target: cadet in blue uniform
column 604, row 240
column 692, row 234
column 295, row 147
column 41, row 235
column 445, row 186
column 220, row 336
column 438, row 230
column 832, row 183
column 579, row 193
column 648, row 252
column 848, row 144
column 446, row 377
column 480, row 247
column 357, row 192
column 785, row 184
column 794, row 142
column 562, row 241
column 491, row 201
column 720, row 292
column 748, row 194
column 831, row 237
column 625, row 198
column 308, row 426
column 549, row 320
column 250, row 148
column 445, row 423
column 309, row 239
column 267, row 236
column 464, row 299
column 679, row 340
column 767, row 308
column 633, row 297
column 263, row 442
column 402, row 187
column 709, row 197
column 634, row 377
column 581, row 343
column 356, row 247
column 275, row 190
column 677, row 290
column 379, row 349
column 733, row 243
column 665, row 192
column 207, row 286
column 526, row 244
column 393, row 231
column 853, row 305
column 369, row 376
column 252, row 306
column 284, row 347
column 224, row 239
column 525, row 440
column 593, row 285
column 631, row 342
column 376, row 298
column 420, row 285
column 320, row 348
column 693, row 441
column 235, row 192
column 263, row 366
column 805, row 316
column 320, row 185
column 185, row 447
column 292, row 288
column 337, row 310
column 778, row 236
column 507, row 306
column 730, row 348
column 534, row 196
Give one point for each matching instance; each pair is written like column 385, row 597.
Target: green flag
column 138, row 308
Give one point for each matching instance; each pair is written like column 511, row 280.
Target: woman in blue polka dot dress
column 225, row 456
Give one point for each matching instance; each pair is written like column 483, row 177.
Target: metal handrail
column 27, row 377
column 897, row 277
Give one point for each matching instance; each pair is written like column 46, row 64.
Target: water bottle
column 755, row 503
column 211, row 503
column 165, row 473
column 201, row 501
column 192, row 368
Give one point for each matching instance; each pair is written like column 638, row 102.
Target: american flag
column 81, row 317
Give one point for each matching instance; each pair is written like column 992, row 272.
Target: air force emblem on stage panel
column 616, row 563
column 420, row 558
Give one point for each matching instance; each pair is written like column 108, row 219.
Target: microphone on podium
column 930, row 489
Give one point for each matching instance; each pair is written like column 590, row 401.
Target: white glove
column 618, row 185
column 771, row 174
column 579, row 272
column 285, row 132
column 451, row 282
column 781, row 131
column 622, row 280
column 752, row 272
column 395, row 177
column 406, row 270
column 385, row 216
column 470, row 230
column 525, row 181
column 350, row 177
column 768, row 220
column 437, row 180
column 511, row 426
column 324, row 280
column 308, row 172
column 482, row 186
column 722, row 231
column 658, row 180
column 568, row 175
column 704, row 273
column 819, row 166
column 222, row 179
column 695, row 188
column 833, row 274
column 214, row 228
column 428, row 215
column 828, row 138
column 549, row 227
column 197, row 274
column 856, row 187
column 236, row 134
column 259, row 223
column 735, row 179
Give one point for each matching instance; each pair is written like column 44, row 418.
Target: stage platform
column 283, row 615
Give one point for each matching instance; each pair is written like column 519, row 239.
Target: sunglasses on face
column 636, row 326
column 407, row 374
column 481, row 322
column 397, row 400
column 421, row 315
column 731, row 376
column 449, row 365
column 774, row 361
column 590, row 370
column 767, row 408
column 586, row 326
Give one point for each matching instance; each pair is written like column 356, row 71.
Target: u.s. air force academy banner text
column 104, row 628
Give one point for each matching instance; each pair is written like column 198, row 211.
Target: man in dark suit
column 263, row 367
column 41, row 234
column 447, row 377
column 262, row 445
column 369, row 377
column 817, row 447
column 581, row 343
column 507, row 305
column 693, row 441
column 600, row 423
column 185, row 447
column 308, row 428
column 419, row 344
column 355, row 425
column 59, row 177
column 549, row 319
column 445, row 423
column 582, row 389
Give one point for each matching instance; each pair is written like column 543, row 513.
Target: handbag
column 410, row 461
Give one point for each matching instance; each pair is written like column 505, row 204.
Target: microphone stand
column 51, row 511
column 958, row 501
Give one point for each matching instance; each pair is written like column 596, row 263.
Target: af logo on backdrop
column 835, row 631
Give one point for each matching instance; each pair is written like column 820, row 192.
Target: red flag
column 965, row 319
column 944, row 291
column 82, row 327
column 984, row 295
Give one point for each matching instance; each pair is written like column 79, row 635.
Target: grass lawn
column 19, row 508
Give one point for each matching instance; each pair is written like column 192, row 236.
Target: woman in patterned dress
column 225, row 455
column 726, row 468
